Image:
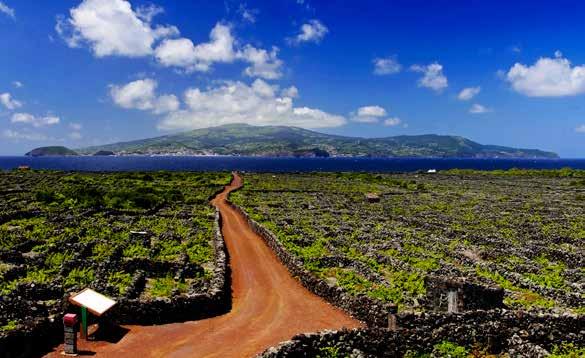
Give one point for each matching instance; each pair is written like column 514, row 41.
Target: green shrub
column 567, row 350
column 450, row 350
column 79, row 277
column 120, row 280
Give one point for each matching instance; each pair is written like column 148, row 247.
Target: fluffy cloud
column 386, row 66
column 374, row 114
column 30, row 136
column 371, row 111
column 548, row 77
column 10, row 103
column 237, row 102
column 478, row 109
column 391, row 122
column 184, row 54
column 141, row 94
column 291, row 92
column 580, row 129
column 368, row 114
column 7, row 10
column 313, row 31
column 433, row 77
column 148, row 12
column 468, row 93
column 112, row 28
column 27, row 118
column 264, row 64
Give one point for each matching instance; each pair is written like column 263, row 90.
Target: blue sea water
column 143, row 163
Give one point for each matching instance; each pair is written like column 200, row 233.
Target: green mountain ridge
column 247, row 140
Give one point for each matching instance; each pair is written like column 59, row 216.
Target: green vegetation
column 77, row 230
column 567, row 350
column 444, row 349
column 164, row 287
column 243, row 139
column 522, row 230
column 328, row 352
column 51, row 151
column 10, row 326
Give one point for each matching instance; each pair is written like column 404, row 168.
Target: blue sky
column 80, row 73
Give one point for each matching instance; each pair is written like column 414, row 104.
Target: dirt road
column 269, row 307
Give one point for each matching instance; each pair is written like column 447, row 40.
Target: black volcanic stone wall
column 470, row 296
column 518, row 333
column 372, row 312
column 38, row 334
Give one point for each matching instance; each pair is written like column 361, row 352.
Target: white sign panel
column 95, row 302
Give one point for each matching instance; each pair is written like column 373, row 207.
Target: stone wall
column 38, row 334
column 374, row 313
column 470, row 296
column 519, row 333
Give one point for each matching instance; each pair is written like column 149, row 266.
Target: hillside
column 50, row 151
column 246, row 140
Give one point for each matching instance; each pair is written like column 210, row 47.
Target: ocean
column 256, row 164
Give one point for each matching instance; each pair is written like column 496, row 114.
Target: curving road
column 269, row 306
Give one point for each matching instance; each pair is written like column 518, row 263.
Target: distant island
column 282, row 141
column 51, row 151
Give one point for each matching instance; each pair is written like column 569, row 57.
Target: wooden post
column 392, row 319
column 84, row 322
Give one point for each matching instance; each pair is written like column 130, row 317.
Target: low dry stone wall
column 37, row 335
column 470, row 296
column 180, row 308
column 372, row 312
column 518, row 333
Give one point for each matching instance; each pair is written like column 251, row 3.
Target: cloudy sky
column 80, row 73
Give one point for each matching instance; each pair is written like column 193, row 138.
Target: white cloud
column 371, row 111
column 220, row 49
column 433, row 76
column 5, row 9
column 313, row 31
column 478, row 109
column 548, row 77
column 374, row 114
column 10, row 103
column 148, row 12
column 30, row 136
column 386, row 66
column 27, row 118
column 291, row 92
column 141, row 94
column 237, row 102
column 264, row 64
column 580, row 129
column 468, row 93
column 112, row 28
column 368, row 114
column 391, row 122
column 17, row 84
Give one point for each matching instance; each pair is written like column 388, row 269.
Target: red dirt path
column 269, row 306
